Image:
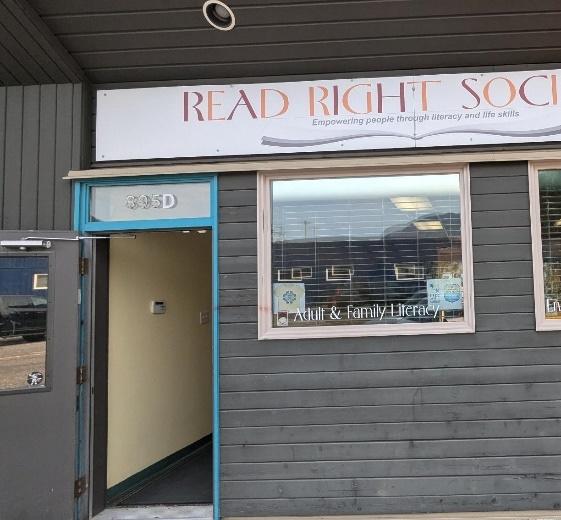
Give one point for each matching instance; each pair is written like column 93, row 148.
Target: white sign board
column 319, row 116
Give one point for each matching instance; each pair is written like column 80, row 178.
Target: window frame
column 534, row 168
column 266, row 330
column 36, row 284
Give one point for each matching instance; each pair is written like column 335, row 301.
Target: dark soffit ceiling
column 29, row 52
column 116, row 41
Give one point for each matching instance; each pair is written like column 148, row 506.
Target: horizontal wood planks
column 29, row 52
column 394, row 424
column 41, row 139
column 511, row 515
column 156, row 41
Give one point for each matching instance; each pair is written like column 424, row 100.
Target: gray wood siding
column 393, row 424
column 41, row 139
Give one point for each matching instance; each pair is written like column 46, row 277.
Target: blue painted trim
column 83, row 226
column 77, row 205
column 143, row 225
column 215, row 357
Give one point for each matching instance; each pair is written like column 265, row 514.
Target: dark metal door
column 39, row 341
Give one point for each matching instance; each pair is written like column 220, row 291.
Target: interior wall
column 160, row 366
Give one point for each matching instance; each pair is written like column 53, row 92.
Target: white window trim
column 542, row 323
column 265, row 327
column 36, row 285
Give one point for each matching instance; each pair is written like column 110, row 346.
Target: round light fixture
column 219, row 15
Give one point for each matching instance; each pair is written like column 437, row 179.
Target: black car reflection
column 23, row 316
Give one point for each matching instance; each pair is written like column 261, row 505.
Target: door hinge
column 81, row 375
column 84, row 266
column 80, row 486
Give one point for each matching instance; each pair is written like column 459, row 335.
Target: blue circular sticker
column 452, row 293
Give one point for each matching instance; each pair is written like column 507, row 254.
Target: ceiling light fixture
column 411, row 203
column 219, row 15
column 429, row 225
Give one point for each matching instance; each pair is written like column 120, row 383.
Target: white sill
column 353, row 331
column 543, row 324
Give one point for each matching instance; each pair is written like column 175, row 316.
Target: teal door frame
column 84, row 226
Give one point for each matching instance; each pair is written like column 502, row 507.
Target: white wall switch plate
column 158, row 307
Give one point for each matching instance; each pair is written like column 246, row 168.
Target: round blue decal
column 452, row 293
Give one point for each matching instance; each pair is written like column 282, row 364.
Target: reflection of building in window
column 409, row 271
column 339, row 273
column 367, row 241
column 293, row 274
column 40, row 281
column 550, row 210
column 23, row 321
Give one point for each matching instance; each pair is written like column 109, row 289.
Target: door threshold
column 156, row 513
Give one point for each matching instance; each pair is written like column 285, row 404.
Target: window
column 545, row 209
column 23, row 322
column 365, row 254
column 40, row 281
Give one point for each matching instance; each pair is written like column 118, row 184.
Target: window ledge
column 546, row 325
column 354, row 331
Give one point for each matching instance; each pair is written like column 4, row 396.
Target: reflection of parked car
column 23, row 315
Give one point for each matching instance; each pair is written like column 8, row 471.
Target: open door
column 39, row 343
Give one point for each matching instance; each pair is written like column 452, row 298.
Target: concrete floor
column 157, row 513
column 205, row 513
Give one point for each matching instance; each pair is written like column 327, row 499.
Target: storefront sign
column 316, row 116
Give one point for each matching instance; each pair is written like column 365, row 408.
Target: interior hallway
column 187, row 482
